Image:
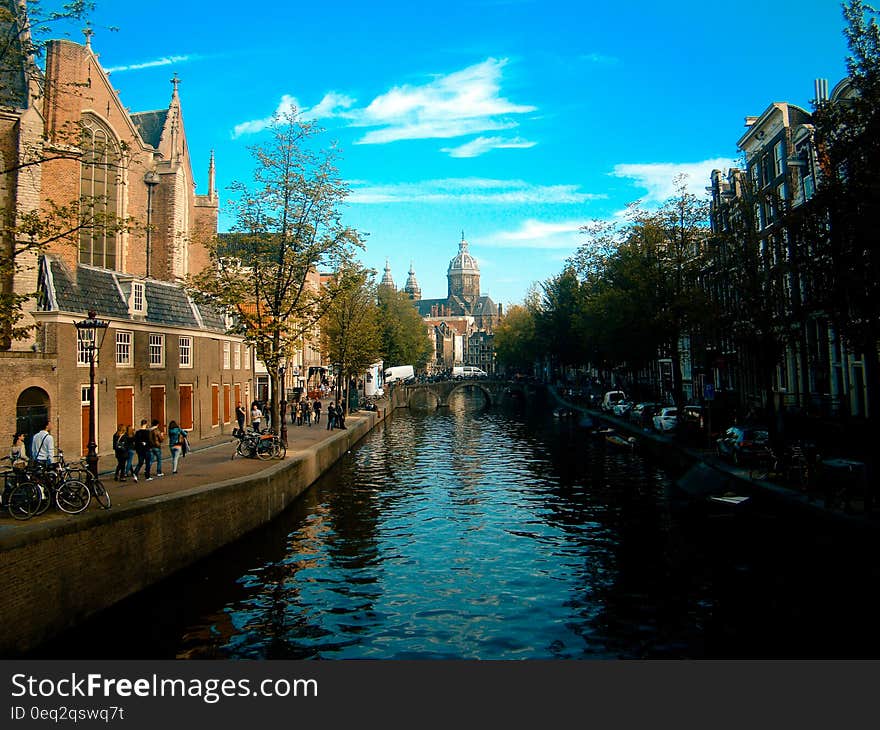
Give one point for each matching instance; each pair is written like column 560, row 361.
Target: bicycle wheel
column 279, row 450
column 72, row 496
column 45, row 494
column 24, row 500
column 759, row 472
column 101, row 494
column 265, row 450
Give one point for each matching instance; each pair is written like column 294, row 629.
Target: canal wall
column 54, row 575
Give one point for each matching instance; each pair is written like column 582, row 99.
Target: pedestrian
column 18, row 452
column 256, row 417
column 307, row 412
column 299, row 413
column 142, row 448
column 316, row 407
column 130, row 452
column 176, row 437
column 340, row 416
column 331, row 416
column 120, row 449
column 43, row 445
column 240, row 416
column 154, row 455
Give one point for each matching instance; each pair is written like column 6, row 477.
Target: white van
column 612, row 398
column 468, row 371
column 403, row 373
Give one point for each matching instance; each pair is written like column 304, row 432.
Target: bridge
column 439, row 392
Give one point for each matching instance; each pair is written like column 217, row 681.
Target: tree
column 516, row 342
column 846, row 257
column 350, row 333
column 404, row 334
column 287, row 226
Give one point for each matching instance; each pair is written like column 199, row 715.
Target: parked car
column 666, row 420
column 643, row 413
column 621, row 408
column 740, row 442
column 611, row 398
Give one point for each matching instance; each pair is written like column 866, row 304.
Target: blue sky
column 513, row 120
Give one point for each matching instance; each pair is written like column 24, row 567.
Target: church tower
column 386, row 278
column 412, row 286
column 463, row 275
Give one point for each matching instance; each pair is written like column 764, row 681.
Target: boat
column 615, row 439
column 563, row 412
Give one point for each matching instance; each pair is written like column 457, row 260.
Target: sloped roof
column 103, row 291
column 150, row 125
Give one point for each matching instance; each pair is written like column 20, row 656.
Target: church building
column 66, row 137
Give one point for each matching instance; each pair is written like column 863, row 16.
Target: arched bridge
column 440, row 391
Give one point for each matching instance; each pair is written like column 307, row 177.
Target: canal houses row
column 164, row 355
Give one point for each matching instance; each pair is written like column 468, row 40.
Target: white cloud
column 164, row 61
column 536, row 234
column 285, row 106
column 330, row 106
column 482, row 145
column 469, row 190
column 658, row 177
column 460, row 103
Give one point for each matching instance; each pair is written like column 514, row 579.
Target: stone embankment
column 56, row 572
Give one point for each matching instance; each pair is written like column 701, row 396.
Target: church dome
column 463, row 263
column 386, row 278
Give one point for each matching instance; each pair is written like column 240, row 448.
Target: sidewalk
column 210, row 462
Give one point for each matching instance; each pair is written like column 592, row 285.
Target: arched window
column 100, row 184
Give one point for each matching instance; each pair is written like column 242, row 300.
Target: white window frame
column 185, row 348
column 83, row 339
column 779, row 158
column 138, row 297
column 236, row 356
column 227, row 348
column 124, row 347
column 247, row 357
column 157, row 340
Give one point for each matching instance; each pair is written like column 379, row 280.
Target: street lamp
column 283, row 406
column 92, row 329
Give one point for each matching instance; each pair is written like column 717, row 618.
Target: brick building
column 164, row 355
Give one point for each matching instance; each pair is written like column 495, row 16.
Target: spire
column 88, row 33
column 386, row 279
column 412, row 286
column 212, row 173
column 175, row 81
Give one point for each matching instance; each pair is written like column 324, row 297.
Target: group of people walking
column 302, row 413
column 146, row 443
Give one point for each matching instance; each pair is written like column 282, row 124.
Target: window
column 809, row 188
column 778, row 158
column 226, row 346
column 99, row 188
column 157, row 351
column 84, row 342
column 236, row 356
column 185, row 349
column 123, row 349
column 137, row 297
column 247, row 357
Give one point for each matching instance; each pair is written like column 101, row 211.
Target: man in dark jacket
column 141, row 448
column 331, row 417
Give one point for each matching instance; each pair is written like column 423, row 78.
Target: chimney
column 820, row 88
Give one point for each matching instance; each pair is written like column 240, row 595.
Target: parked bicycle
column 261, row 445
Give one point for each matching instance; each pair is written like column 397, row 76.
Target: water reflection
column 474, row 533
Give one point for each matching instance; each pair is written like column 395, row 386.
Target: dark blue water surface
column 500, row 534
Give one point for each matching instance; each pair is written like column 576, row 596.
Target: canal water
column 502, row 534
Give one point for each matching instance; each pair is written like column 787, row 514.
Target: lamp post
column 90, row 329
column 283, row 407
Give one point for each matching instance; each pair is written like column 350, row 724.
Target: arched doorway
column 31, row 412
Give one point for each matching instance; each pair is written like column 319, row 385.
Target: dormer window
column 138, row 298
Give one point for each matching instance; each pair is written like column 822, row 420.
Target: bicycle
column 763, row 464
column 82, row 472
column 69, row 495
